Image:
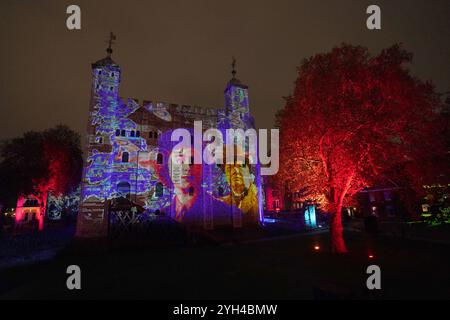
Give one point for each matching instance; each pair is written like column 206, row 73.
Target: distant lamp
column 316, row 247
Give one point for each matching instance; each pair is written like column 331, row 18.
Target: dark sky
column 180, row 51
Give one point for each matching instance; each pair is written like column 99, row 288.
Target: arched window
column 117, row 132
column 191, row 191
column 123, row 133
column 221, row 191
column 159, row 159
column 132, row 133
column 125, row 157
column 159, row 190
column 138, row 134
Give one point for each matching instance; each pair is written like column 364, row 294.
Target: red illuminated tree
column 40, row 163
column 352, row 121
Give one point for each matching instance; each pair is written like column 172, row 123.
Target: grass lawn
column 274, row 269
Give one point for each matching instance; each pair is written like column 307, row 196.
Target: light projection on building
column 129, row 154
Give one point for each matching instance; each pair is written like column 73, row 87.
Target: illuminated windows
column 153, row 134
column 135, row 134
column 276, row 204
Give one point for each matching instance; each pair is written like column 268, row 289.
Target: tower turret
column 106, row 73
column 96, row 182
column 236, row 101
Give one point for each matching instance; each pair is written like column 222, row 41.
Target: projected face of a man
column 237, row 175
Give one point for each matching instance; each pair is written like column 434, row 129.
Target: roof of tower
column 237, row 83
column 104, row 62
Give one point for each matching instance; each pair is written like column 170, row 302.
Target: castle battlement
column 171, row 107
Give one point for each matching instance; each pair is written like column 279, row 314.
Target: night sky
column 180, row 51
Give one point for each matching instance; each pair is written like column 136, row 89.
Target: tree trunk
column 336, row 231
column 43, row 203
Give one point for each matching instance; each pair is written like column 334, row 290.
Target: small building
column 29, row 213
column 383, row 202
column 274, row 200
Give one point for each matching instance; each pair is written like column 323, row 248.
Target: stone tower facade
column 129, row 151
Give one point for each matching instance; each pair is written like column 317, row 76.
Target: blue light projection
column 310, row 216
column 129, row 155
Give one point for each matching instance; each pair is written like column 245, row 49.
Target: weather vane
column 112, row 37
column 233, row 65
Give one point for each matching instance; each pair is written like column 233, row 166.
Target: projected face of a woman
column 184, row 175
